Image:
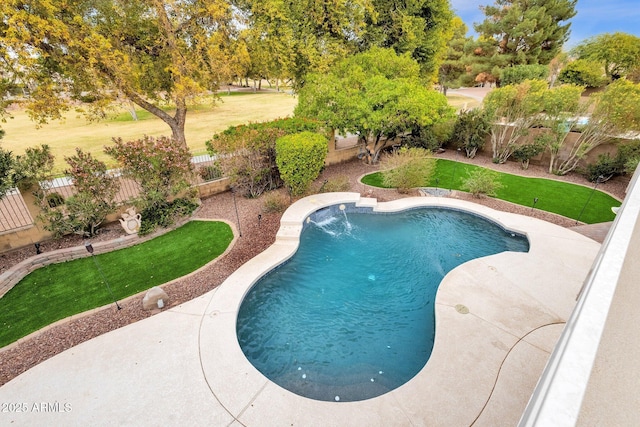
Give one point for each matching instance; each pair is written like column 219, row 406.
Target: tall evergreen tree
column 527, row 31
column 453, row 67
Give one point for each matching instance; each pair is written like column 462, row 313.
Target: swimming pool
column 351, row 315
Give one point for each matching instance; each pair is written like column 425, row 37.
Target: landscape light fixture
column 89, row 249
column 535, row 200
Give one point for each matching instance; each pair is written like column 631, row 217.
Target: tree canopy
column 375, row 94
column 526, row 31
column 454, row 66
column 153, row 53
column 420, row 28
column 297, row 37
column 618, row 53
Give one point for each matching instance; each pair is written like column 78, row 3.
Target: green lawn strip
column 563, row 198
column 60, row 290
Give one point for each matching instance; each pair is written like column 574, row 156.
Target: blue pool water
column 351, row 315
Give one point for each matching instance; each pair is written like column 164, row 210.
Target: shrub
column 407, row 168
column 629, row 156
column 482, row 182
column 337, row 184
column 275, row 202
column 161, row 167
column 165, row 214
column 585, row 73
column 6, row 171
column 606, row 167
column 35, row 166
column 525, row 152
column 520, row 73
column 470, row 131
column 94, row 199
column 210, row 172
column 247, row 153
column 300, row 158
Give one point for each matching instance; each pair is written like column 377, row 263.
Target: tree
column 374, row 94
column 299, row 37
column 583, row 72
column 614, row 112
column 453, row 66
column 154, row 53
column 519, row 73
column 512, row 110
column 527, row 31
column 419, row 28
column 618, row 53
column 561, row 107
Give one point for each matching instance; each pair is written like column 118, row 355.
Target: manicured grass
column 460, row 102
column 563, row 198
column 203, row 121
column 60, row 290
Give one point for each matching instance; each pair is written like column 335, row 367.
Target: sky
column 594, row 17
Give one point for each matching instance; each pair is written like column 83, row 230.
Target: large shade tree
column 618, row 53
column 376, row 94
column 297, row 37
column 527, row 31
column 155, row 53
column 420, row 28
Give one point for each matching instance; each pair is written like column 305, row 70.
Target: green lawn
column 203, row 121
column 60, row 290
column 553, row 196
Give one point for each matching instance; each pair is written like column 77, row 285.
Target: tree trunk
column 132, row 111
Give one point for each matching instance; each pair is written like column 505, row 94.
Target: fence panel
column 13, row 212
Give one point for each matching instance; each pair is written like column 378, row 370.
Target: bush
column 526, row 152
column 432, row 137
column 520, row 73
column 300, row 158
column 606, row 167
column 482, row 182
column 407, row 168
column 165, row 214
column 210, row 172
column 583, row 73
column 35, row 166
column 470, row 131
column 629, row 156
column 87, row 209
column 275, row 202
column 337, row 184
column 161, row 167
column 247, row 153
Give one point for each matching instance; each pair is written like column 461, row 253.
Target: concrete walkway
column 497, row 320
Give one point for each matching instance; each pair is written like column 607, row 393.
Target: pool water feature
column 351, row 315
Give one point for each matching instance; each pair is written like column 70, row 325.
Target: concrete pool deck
column 497, row 320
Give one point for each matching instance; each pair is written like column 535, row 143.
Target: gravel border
column 258, row 233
